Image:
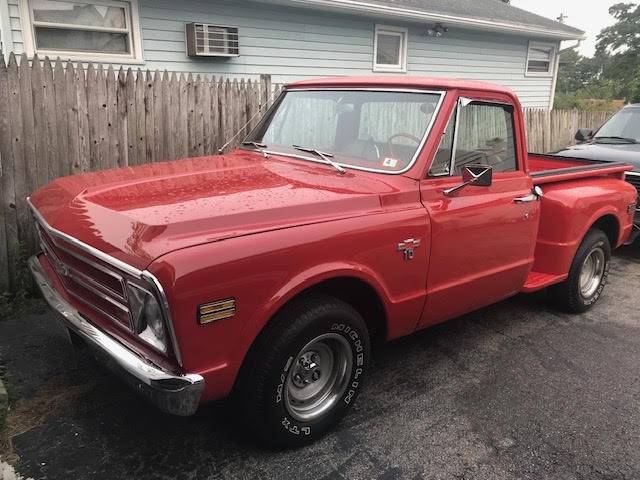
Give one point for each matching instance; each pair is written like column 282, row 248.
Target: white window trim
column 135, row 36
column 552, row 60
column 6, row 35
column 403, row 33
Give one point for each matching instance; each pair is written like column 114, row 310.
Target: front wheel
column 305, row 371
column 587, row 275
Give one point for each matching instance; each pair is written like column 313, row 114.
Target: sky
column 588, row 15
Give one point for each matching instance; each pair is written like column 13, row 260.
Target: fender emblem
column 407, row 246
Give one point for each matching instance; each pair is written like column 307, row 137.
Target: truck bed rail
column 583, row 169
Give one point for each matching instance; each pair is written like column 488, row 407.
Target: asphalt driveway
column 516, row 390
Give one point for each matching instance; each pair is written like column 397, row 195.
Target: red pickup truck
column 359, row 209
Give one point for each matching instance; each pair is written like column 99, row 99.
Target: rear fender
column 568, row 211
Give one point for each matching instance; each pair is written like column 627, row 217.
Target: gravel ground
column 515, row 390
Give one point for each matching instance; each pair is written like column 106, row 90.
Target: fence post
column 265, row 81
column 8, row 228
column 547, row 131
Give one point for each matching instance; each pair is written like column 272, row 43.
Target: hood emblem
column 407, row 246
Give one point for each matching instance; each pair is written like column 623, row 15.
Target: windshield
column 371, row 130
column 624, row 124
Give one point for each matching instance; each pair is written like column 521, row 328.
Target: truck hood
column 139, row 214
column 627, row 153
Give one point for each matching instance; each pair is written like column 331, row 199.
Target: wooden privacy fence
column 57, row 119
column 550, row 130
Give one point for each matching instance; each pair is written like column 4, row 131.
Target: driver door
column 483, row 237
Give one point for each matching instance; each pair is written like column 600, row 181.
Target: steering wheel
column 401, row 135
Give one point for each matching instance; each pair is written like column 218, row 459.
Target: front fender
column 262, row 272
column 314, row 276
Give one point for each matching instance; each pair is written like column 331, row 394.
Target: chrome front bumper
column 175, row 394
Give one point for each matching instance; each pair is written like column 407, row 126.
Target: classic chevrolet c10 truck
column 358, row 210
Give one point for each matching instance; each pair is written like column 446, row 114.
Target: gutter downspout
column 556, row 69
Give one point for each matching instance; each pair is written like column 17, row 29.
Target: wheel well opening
column 362, row 297
column 609, row 225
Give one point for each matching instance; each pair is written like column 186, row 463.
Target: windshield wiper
column 323, row 155
column 621, row 139
column 258, row 146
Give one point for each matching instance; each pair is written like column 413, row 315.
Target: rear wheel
column 305, row 371
column 587, row 275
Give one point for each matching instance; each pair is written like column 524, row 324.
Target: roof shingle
column 486, row 10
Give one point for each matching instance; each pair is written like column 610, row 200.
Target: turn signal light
column 214, row 311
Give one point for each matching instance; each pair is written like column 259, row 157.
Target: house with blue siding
column 296, row 39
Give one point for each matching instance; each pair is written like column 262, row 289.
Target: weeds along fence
column 59, row 119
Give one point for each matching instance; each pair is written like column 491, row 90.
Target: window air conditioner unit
column 204, row 40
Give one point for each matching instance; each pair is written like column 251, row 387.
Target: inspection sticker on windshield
column 390, row 162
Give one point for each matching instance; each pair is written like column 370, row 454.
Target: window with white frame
column 390, row 49
column 92, row 30
column 541, row 58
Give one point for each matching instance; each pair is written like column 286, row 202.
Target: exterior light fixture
column 437, row 30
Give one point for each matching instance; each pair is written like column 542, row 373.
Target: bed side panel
column 569, row 210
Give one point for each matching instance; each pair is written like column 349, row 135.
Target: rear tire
column 304, row 372
column 587, row 275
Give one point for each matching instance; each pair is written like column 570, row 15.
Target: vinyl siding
column 295, row 43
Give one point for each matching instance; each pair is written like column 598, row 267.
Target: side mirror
column 584, row 134
column 478, row 175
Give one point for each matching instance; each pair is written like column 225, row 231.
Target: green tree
column 576, row 72
column 625, row 33
column 619, row 46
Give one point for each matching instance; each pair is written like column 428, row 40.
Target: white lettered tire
column 305, row 371
column 587, row 276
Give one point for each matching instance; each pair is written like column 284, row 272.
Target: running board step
column 538, row 280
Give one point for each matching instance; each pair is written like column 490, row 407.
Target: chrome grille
column 86, row 279
column 634, row 179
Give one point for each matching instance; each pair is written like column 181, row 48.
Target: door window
column 484, row 136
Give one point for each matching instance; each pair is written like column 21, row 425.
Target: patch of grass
column 21, row 303
column 26, row 414
column 4, row 408
column 3, row 415
column 23, row 298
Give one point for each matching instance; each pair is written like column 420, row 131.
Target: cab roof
column 426, row 83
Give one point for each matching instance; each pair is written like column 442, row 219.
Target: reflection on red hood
column 140, row 213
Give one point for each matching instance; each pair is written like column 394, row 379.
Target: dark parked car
column 618, row 140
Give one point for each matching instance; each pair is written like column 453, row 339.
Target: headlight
column 146, row 317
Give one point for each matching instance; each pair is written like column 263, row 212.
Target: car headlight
column 146, row 317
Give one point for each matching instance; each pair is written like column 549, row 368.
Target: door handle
column 526, row 199
column 532, row 197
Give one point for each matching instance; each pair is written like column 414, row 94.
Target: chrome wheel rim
column 318, row 376
column 592, row 272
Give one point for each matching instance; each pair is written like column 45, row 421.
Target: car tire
column 587, row 276
column 304, row 372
